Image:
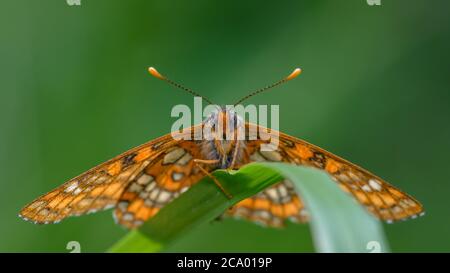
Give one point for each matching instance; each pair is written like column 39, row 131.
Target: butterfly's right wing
column 272, row 206
column 379, row 197
column 382, row 199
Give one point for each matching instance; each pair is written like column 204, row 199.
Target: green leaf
column 338, row 222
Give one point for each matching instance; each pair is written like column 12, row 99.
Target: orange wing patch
column 272, row 206
column 158, row 184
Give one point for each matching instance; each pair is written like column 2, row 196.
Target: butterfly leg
column 235, row 153
column 198, row 162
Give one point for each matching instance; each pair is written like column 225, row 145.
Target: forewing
column 381, row 198
column 98, row 188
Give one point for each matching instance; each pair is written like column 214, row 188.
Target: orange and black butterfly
column 139, row 182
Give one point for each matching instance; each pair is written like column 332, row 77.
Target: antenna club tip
column 294, row 74
column 155, row 73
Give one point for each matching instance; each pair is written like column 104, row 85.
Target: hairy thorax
column 224, row 140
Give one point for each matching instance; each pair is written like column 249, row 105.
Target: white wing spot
column 128, row 217
column 123, row 205
column 173, row 156
column 272, row 155
column 110, row 206
column 144, row 179
column 177, row 176
column 283, row 191
column 397, row 209
column 163, row 197
column 91, row 211
column 44, row 212
column 241, row 212
column 353, row 176
column 344, row 178
column 304, row 214
column 143, row 194
column 150, row 187
column 135, row 188
column 85, row 202
column 262, row 214
column 366, row 188
column 184, row 160
column 71, row 187
column 154, row 194
column 256, row 156
column 375, row 184
column 273, row 194
column 100, row 180
column 37, row 204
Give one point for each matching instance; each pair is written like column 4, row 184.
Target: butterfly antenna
column 291, row 76
column 156, row 74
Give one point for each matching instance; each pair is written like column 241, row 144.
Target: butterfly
column 141, row 181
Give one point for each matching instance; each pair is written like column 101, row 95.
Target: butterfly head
column 223, row 128
column 224, row 123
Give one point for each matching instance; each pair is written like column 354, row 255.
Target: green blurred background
column 75, row 92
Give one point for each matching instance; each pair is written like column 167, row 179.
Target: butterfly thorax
column 223, row 131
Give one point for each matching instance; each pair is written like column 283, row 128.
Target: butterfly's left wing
column 103, row 186
column 172, row 173
column 381, row 198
